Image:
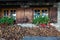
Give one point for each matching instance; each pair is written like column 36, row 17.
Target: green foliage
column 6, row 20
column 41, row 20
column 10, row 21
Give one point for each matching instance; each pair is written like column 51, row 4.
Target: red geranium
column 43, row 25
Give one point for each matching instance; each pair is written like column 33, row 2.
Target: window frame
column 40, row 10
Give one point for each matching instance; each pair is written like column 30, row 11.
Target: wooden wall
column 22, row 12
column 29, row 13
column 2, row 11
column 53, row 14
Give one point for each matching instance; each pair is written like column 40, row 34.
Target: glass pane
column 5, row 12
column 36, row 13
column 14, row 17
column 44, row 13
column 45, row 10
column 13, row 14
column 14, row 11
column 38, row 10
column 35, row 10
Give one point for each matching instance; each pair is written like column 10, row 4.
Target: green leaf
column 41, row 20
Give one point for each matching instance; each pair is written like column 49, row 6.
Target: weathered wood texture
column 28, row 12
column 53, row 14
column 22, row 13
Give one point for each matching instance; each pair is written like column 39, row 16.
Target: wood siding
column 22, row 12
column 53, row 14
column 28, row 13
column 19, row 14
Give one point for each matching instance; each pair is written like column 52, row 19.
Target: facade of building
column 21, row 11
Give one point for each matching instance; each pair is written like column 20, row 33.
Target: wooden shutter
column 53, row 14
column 19, row 15
column 22, row 13
column 28, row 13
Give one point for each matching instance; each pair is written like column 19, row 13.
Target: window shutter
column 53, row 14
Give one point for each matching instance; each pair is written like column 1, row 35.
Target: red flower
column 43, row 25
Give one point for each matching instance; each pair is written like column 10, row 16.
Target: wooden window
column 36, row 13
column 5, row 12
column 13, row 14
column 44, row 12
column 53, row 14
column 40, row 11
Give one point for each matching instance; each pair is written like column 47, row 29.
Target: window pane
column 11, row 10
column 45, row 10
column 38, row 10
column 13, row 14
column 5, row 12
column 36, row 13
column 35, row 10
column 14, row 11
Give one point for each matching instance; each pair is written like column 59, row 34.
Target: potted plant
column 41, row 21
column 44, row 21
column 4, row 21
